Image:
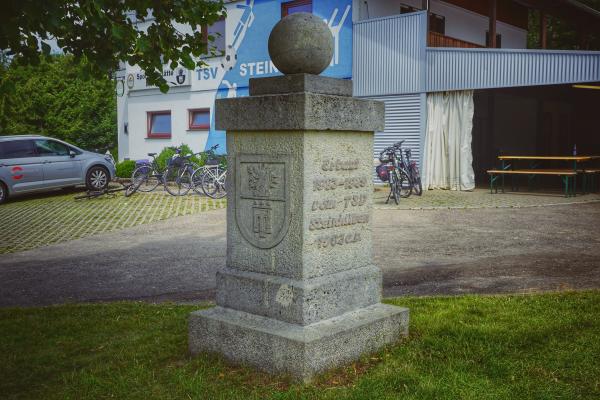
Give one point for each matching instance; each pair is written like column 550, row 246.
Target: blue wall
column 253, row 57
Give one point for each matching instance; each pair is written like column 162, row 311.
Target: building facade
column 149, row 120
column 439, row 66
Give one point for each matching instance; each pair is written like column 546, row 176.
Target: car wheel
column 97, row 178
column 3, row 193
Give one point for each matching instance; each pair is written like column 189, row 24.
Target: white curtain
column 448, row 160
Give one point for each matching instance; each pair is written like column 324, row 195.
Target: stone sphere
column 301, row 43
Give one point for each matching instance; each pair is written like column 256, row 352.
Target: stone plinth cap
column 299, row 111
column 297, row 83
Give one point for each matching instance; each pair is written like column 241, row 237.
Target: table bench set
column 567, row 175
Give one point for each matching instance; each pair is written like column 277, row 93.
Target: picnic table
column 568, row 175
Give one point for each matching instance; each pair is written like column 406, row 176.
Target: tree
column 564, row 34
column 52, row 98
column 101, row 33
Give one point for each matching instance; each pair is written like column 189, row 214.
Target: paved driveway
column 422, row 252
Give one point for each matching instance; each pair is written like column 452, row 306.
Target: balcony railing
column 435, row 39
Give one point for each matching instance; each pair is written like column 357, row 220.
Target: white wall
column 139, row 145
column 132, row 108
column 460, row 23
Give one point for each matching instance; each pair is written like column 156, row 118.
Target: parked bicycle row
column 400, row 171
column 181, row 175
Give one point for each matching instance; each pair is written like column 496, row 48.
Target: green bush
column 125, row 168
column 56, row 99
column 163, row 158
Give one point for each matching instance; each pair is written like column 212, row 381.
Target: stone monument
column 299, row 293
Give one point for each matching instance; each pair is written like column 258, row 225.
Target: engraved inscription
column 262, row 193
column 338, row 175
column 354, row 200
column 339, row 165
column 339, row 239
column 341, row 220
column 328, row 204
column 350, row 182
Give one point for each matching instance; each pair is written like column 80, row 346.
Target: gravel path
column 423, row 252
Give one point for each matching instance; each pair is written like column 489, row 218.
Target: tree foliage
column 564, row 34
column 53, row 98
column 105, row 32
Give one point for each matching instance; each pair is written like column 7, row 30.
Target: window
column 159, row 124
column 216, row 48
column 17, row 149
column 498, row 39
column 437, row 23
column 199, row 118
column 295, row 6
column 51, row 148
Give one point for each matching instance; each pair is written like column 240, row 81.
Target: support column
column 492, row 19
column 425, row 7
column 543, row 30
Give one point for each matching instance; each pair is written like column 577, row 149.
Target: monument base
column 300, row 351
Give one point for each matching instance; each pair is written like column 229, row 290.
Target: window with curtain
column 159, row 124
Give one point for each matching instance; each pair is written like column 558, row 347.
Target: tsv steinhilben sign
column 136, row 80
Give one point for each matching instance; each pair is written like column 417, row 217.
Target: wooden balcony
column 435, row 39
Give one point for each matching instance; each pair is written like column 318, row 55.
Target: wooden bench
column 589, row 184
column 567, row 176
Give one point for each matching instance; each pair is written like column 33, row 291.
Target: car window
column 17, row 149
column 51, row 148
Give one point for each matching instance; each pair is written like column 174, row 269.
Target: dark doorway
column 536, row 120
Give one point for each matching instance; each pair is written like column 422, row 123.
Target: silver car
column 36, row 163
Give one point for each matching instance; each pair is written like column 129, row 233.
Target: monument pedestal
column 300, row 351
column 299, row 294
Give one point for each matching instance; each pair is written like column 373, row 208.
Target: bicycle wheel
column 149, row 180
column 403, row 183
column 177, row 181
column 197, row 180
column 394, row 192
column 213, row 182
column 417, row 186
column 134, row 187
column 221, row 182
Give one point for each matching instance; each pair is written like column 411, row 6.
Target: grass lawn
column 544, row 346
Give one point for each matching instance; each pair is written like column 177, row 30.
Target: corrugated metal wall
column 402, row 122
column 457, row 69
column 389, row 55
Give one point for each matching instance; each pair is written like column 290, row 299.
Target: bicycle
column 213, row 182
column 92, row 194
column 411, row 168
column 149, row 175
column 211, row 177
column 177, row 177
column 392, row 170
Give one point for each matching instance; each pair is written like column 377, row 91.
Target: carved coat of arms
column 262, row 205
